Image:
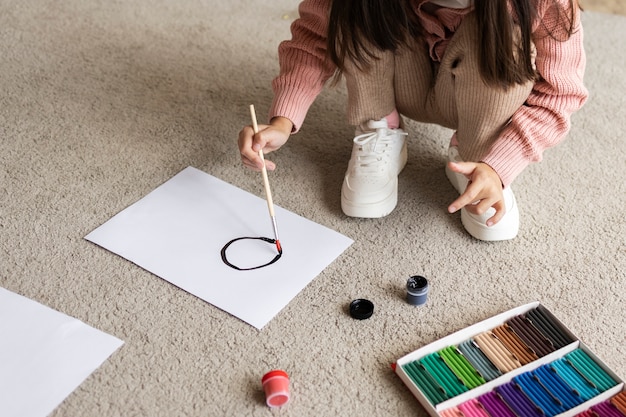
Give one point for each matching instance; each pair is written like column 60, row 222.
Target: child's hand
column 483, row 191
column 270, row 138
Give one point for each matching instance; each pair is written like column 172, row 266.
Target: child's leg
column 370, row 91
column 481, row 112
column 460, row 100
column 402, row 81
column 457, row 98
column 379, row 151
column 414, row 82
column 477, row 111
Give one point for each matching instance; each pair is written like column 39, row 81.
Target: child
column 504, row 75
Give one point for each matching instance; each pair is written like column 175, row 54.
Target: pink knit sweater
column 541, row 123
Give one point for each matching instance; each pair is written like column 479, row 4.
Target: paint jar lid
column 361, row 309
column 273, row 374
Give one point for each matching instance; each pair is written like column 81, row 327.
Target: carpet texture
column 103, row 101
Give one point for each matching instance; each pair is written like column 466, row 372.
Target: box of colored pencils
column 523, row 362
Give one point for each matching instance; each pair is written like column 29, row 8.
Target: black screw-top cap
column 361, row 309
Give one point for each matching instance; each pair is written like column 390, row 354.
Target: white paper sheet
column 44, row 355
column 178, row 230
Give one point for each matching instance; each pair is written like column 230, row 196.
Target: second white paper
column 44, row 355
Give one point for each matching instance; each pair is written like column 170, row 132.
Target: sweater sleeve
column 304, row 65
column 544, row 120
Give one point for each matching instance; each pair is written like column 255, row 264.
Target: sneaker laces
column 374, row 149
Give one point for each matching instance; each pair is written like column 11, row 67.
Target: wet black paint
column 265, row 239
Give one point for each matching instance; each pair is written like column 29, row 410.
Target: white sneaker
column 370, row 186
column 475, row 224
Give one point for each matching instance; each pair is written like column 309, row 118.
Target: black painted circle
column 265, row 239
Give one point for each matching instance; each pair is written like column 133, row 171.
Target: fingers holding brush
column 248, row 141
column 267, row 138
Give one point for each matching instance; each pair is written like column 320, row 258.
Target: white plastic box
column 485, row 325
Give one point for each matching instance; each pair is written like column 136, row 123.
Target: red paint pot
column 276, row 387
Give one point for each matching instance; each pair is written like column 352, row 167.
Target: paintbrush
column 266, row 183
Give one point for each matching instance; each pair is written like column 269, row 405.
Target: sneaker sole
column 371, row 210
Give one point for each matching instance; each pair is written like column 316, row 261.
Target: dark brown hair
column 359, row 27
column 356, row 27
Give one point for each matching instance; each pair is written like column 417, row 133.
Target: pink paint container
column 276, row 387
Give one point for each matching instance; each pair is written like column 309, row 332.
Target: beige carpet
column 102, row 101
